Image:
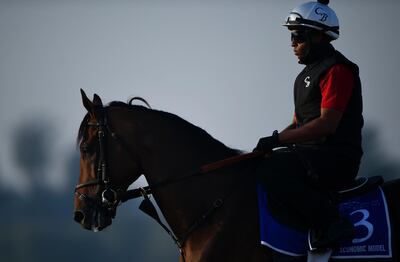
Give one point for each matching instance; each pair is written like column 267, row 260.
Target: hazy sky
column 226, row 66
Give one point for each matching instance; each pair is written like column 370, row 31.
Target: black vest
column 308, row 97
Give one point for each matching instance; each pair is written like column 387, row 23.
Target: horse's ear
column 86, row 102
column 97, row 100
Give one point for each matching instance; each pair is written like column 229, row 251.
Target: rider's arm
column 320, row 127
column 336, row 90
column 292, row 125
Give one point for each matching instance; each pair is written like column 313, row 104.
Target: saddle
column 363, row 203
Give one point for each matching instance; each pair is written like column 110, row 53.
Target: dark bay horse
column 214, row 216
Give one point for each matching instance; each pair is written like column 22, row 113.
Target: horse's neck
column 168, row 149
column 172, row 147
column 176, row 149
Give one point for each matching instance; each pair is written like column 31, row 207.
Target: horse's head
column 106, row 168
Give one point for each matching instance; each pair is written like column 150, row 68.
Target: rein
column 138, row 192
column 110, row 198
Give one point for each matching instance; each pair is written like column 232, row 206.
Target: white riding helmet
column 315, row 15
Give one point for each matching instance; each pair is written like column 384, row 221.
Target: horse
column 211, row 210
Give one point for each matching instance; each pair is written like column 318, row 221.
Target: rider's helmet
column 315, row 15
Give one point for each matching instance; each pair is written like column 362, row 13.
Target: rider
column 322, row 146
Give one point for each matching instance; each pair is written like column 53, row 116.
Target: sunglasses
column 298, row 36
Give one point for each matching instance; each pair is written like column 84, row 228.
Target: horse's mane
column 176, row 119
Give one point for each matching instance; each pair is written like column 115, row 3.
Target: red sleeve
column 336, row 87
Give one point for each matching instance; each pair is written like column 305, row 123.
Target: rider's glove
column 268, row 143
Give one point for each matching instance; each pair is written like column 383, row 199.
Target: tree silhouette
column 32, row 144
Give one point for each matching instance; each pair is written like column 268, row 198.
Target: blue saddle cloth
column 368, row 212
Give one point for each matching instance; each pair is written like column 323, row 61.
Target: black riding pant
column 299, row 183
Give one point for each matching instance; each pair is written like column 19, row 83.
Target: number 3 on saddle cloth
column 367, row 211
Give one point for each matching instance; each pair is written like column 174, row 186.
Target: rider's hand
column 268, row 143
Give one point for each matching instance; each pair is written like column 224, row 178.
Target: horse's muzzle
column 96, row 220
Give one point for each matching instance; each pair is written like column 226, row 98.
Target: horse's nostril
column 79, row 216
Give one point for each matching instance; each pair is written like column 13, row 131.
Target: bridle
column 109, row 198
column 108, row 195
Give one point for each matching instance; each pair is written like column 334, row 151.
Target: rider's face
column 299, row 43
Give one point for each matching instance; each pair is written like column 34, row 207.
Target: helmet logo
column 319, row 11
column 307, row 81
